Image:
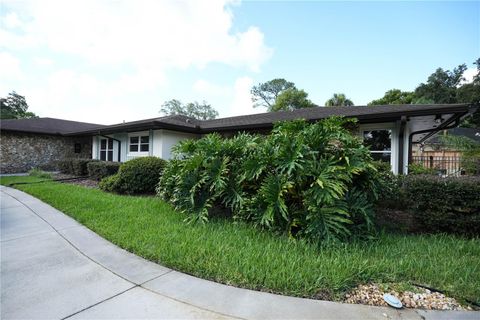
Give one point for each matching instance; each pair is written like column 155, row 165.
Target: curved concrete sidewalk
column 53, row 267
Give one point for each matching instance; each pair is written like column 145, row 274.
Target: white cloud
column 11, row 21
column 469, row 74
column 10, row 66
column 114, row 52
column 242, row 98
column 206, row 88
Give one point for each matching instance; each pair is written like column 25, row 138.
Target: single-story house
column 389, row 131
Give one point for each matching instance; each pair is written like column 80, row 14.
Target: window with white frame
column 380, row 144
column 106, row 149
column 139, row 144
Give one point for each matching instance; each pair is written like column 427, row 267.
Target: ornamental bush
column 308, row 180
column 65, row 166
column 140, row 175
column 98, row 170
column 450, row 205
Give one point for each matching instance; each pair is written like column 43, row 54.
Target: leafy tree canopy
column 441, row 86
column 14, row 106
column 266, row 94
column 195, row 110
column 339, row 100
column 292, row 99
column 394, row 96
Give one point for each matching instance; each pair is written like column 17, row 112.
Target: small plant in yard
column 135, row 176
column 310, row 180
column 98, row 170
column 39, row 174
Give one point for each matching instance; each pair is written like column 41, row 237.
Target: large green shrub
column 98, row 170
column 444, row 204
column 65, row 166
column 312, row 180
column 139, row 175
column 79, row 166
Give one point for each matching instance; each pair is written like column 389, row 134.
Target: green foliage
column 98, row 170
column 444, row 204
column 242, row 256
column 417, row 168
column 139, row 175
column 79, row 166
column 394, row 96
column 310, row 180
column 109, row 184
column 470, row 149
column 266, row 94
column 292, row 99
column 65, row 166
column 339, row 100
column 194, row 110
column 14, row 106
column 39, row 174
column 441, row 86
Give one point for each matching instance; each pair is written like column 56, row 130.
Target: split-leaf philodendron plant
column 309, row 180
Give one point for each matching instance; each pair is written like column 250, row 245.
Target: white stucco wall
column 171, row 138
column 161, row 143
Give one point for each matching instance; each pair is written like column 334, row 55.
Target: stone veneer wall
column 20, row 152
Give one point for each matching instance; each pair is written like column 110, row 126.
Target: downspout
column 119, row 144
column 401, row 137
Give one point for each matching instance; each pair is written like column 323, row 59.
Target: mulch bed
column 85, row 182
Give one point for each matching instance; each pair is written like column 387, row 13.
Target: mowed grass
column 240, row 255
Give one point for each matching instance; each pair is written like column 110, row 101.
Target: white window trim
column 106, row 148
column 394, row 142
column 139, row 135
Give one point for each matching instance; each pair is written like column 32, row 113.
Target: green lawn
column 237, row 254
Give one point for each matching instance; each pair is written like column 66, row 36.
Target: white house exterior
column 389, row 131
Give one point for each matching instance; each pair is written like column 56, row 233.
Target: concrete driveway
column 54, row 268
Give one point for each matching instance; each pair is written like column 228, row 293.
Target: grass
column 237, row 254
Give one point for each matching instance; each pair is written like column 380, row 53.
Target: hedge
column 98, row 170
column 136, row 176
column 432, row 204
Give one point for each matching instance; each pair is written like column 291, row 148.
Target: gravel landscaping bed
column 372, row 294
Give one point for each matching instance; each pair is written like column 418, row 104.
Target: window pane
column 144, row 147
column 110, row 155
column 110, row 143
column 103, row 144
column 103, row 155
column 78, row 147
column 378, row 140
column 133, row 147
column 144, row 139
column 133, row 139
column 381, row 156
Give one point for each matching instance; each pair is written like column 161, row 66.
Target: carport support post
column 401, row 138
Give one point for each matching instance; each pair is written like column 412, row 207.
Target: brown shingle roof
column 365, row 114
column 46, row 126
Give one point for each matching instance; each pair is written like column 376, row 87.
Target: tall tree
column 394, row 96
column 292, row 99
column 441, row 86
column 339, row 100
column 195, row 110
column 14, row 106
column 470, row 93
column 266, row 94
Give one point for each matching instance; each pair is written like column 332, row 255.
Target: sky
column 112, row 61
